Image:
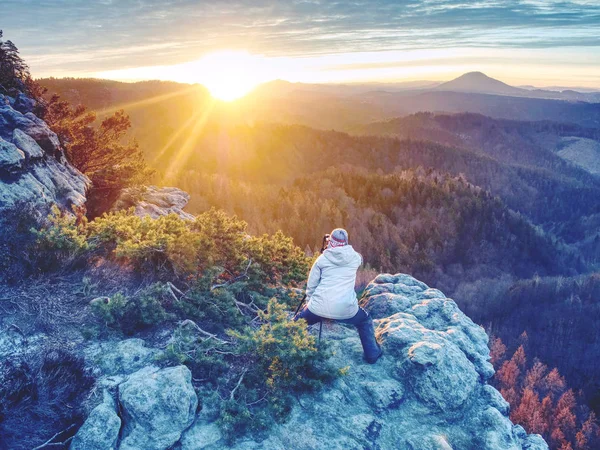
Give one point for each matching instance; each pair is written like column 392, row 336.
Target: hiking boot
column 374, row 360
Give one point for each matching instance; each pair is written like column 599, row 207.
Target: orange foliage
column 535, row 375
column 497, row 351
column 554, row 382
column 508, row 374
column 554, row 417
column 519, row 357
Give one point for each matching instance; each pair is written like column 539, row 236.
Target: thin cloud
column 79, row 34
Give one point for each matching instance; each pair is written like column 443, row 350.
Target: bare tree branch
column 201, row 331
column 238, row 384
column 239, row 277
column 174, row 288
column 257, row 401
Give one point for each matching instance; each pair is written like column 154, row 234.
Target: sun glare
column 229, row 75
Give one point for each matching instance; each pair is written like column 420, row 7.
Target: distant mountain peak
column 479, row 82
column 475, row 74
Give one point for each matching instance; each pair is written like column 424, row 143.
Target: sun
column 230, row 74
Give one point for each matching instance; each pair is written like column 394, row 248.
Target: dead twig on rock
column 252, row 307
column 16, row 328
column 264, row 397
column 170, row 290
column 49, row 443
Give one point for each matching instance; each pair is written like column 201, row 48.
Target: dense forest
column 560, row 315
column 563, row 202
column 442, row 228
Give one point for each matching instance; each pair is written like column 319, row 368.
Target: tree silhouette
column 14, row 73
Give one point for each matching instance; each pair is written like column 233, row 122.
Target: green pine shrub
column 132, row 314
column 61, row 242
column 282, row 361
column 110, row 310
column 213, row 245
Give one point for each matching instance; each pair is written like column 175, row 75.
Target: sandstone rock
column 201, row 435
column 11, row 158
column 27, row 144
column 427, row 392
column 158, row 405
column 101, row 429
column 24, row 104
column 32, row 166
column 32, row 125
column 123, row 357
column 154, row 202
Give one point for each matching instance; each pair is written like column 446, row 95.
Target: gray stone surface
column 27, row 144
column 122, row 357
column 201, row 435
column 24, row 104
column 154, row 202
column 11, row 158
column 101, row 429
column 32, row 165
column 157, row 406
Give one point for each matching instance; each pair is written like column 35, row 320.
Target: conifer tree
column 14, row 73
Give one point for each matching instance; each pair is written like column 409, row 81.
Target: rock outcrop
column 153, row 201
column 101, row 429
column 428, row 391
column 158, row 405
column 32, row 164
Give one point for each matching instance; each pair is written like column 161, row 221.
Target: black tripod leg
column 320, row 330
column 300, row 305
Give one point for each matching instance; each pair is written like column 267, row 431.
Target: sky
column 522, row 42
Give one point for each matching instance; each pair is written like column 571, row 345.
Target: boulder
column 157, row 406
column 101, row 429
column 153, row 201
column 32, row 125
column 201, row 435
column 428, row 391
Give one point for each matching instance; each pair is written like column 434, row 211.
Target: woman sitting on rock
column 330, row 292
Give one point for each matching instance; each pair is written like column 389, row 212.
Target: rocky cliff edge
column 32, row 164
column 428, row 392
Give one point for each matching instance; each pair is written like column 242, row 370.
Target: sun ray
column 176, row 135
column 188, row 145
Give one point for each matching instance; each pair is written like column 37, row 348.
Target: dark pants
column 363, row 323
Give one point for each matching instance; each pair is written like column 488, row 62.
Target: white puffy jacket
column 330, row 287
